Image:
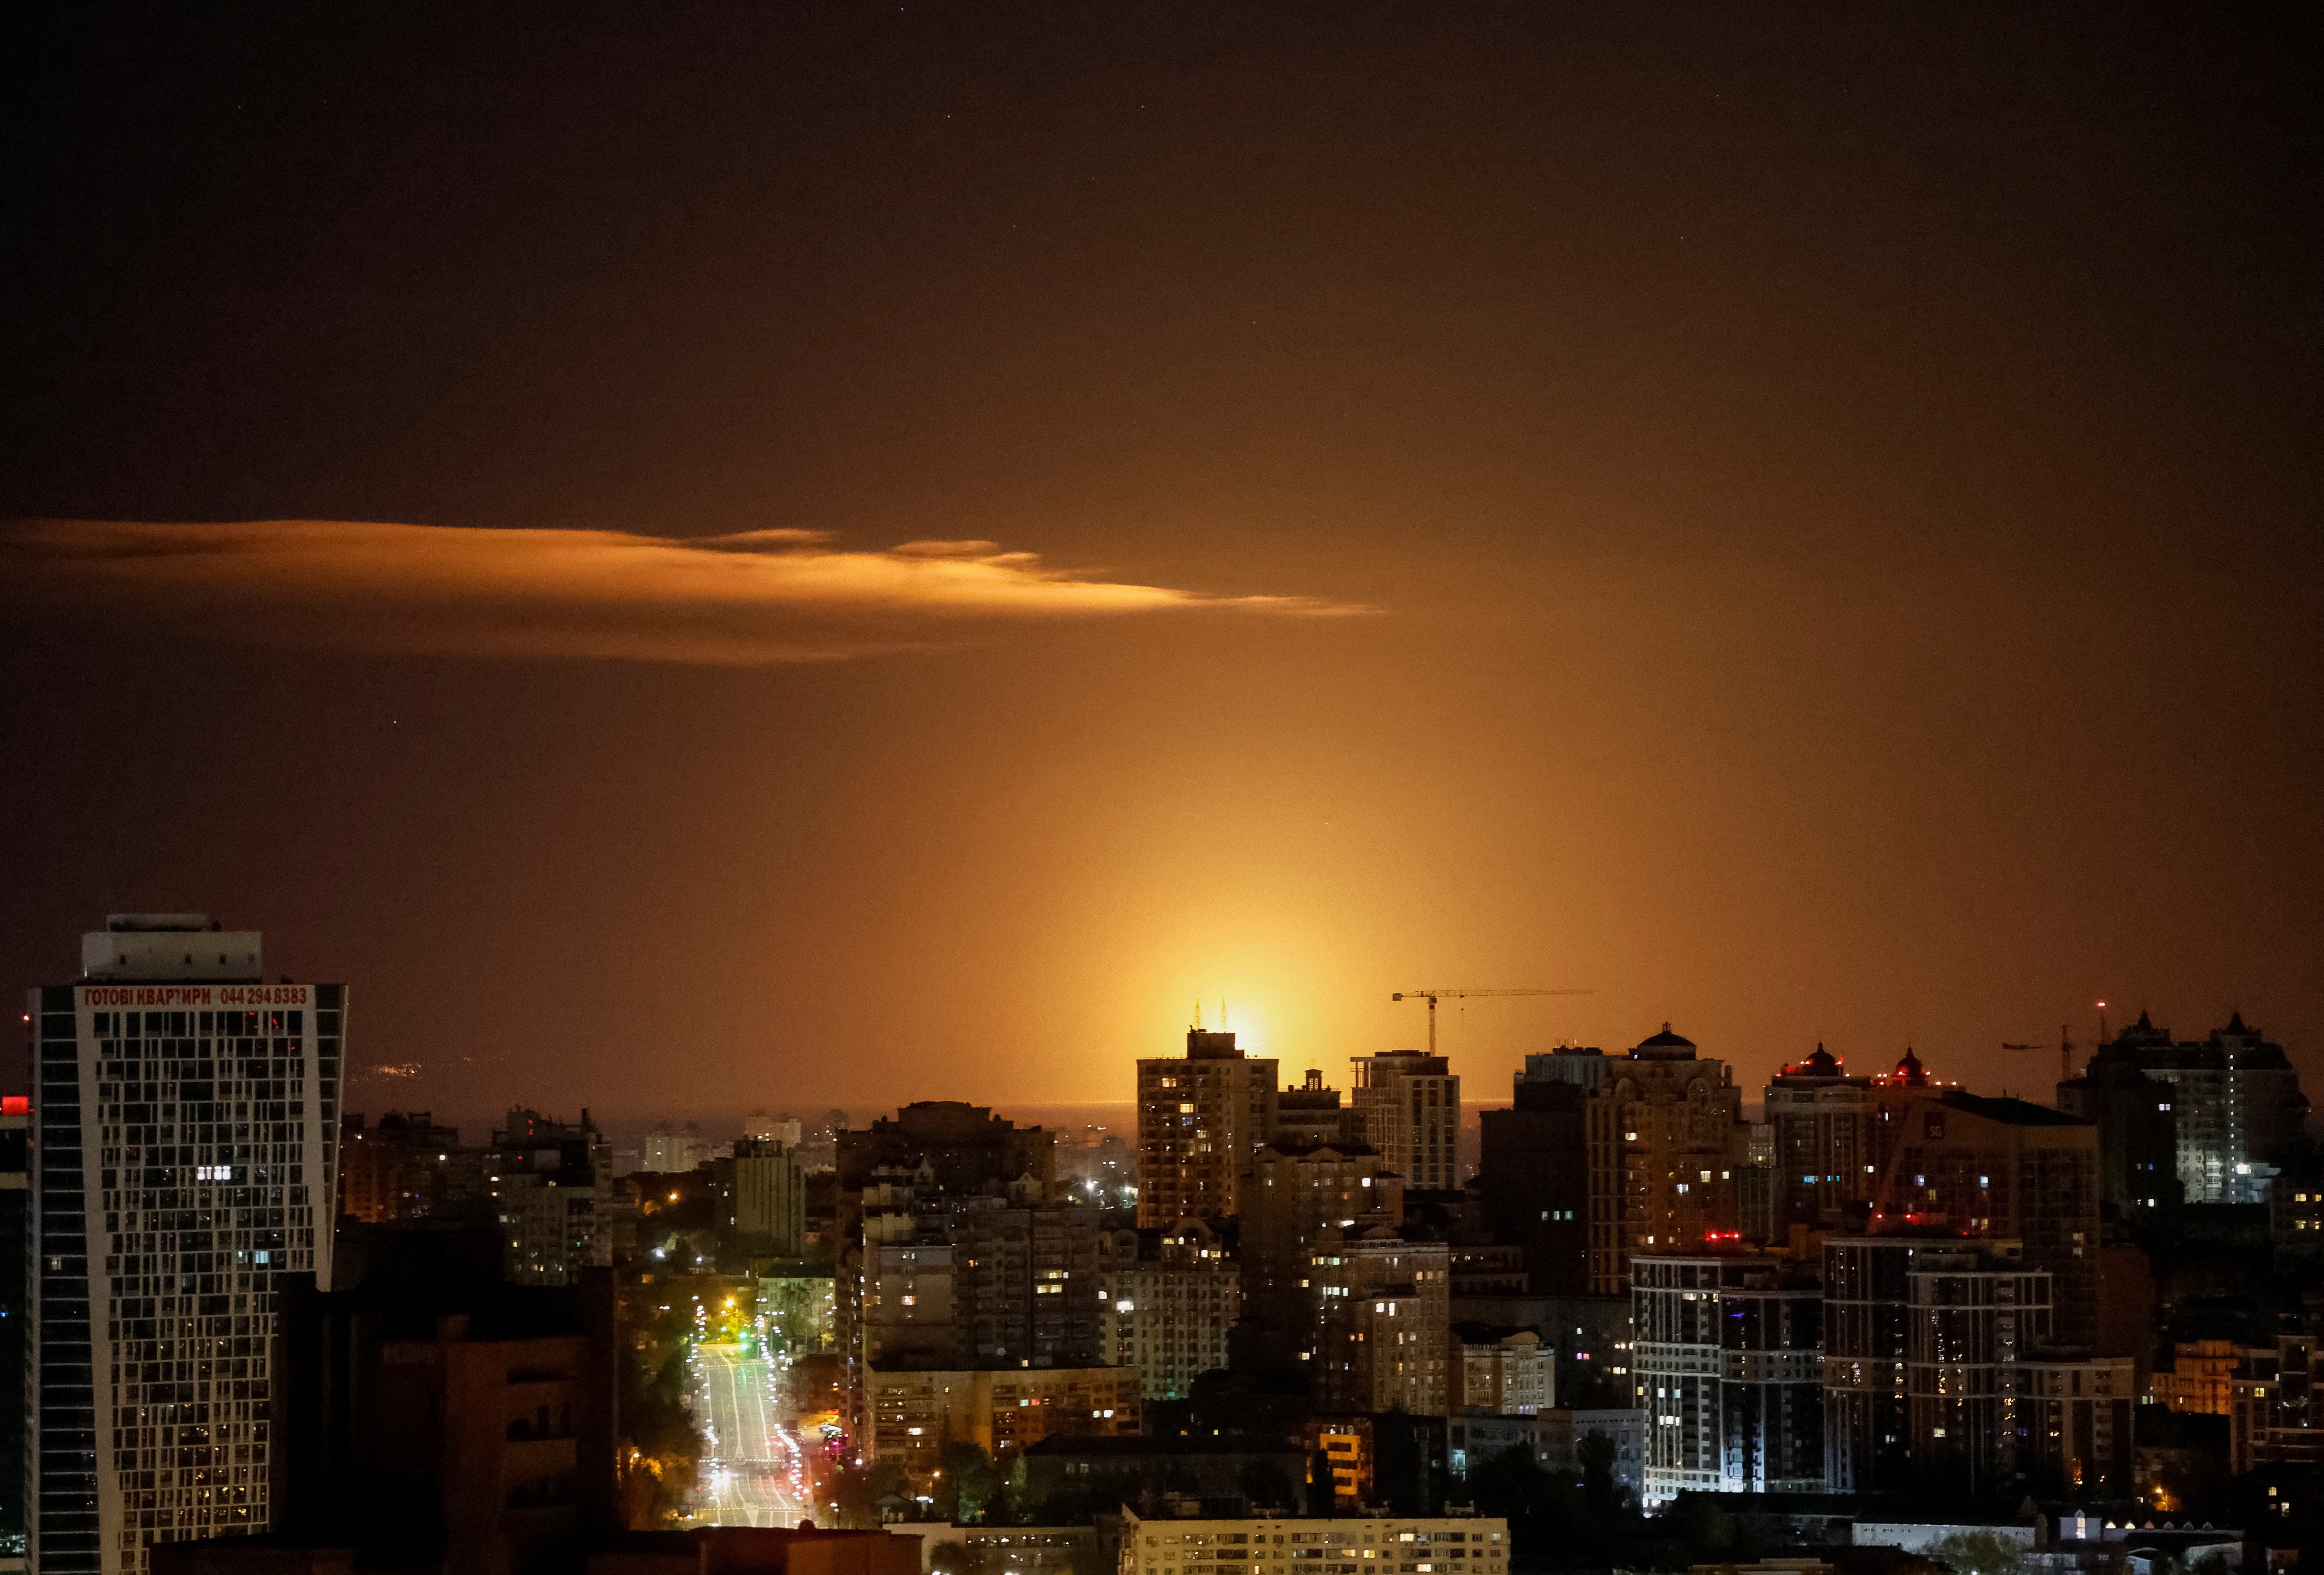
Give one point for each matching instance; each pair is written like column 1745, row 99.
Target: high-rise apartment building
column 1501, row 1372
column 904, row 1306
column 1821, row 1120
column 928, row 1288
column 2276, row 1404
column 1726, row 1361
column 2235, row 1104
column 1939, row 1373
column 912, row 1413
column 1893, row 1094
column 1866, row 1353
column 1758, row 1213
column 407, row 1167
column 429, row 1407
column 673, row 1150
column 1410, row 1105
column 958, row 1150
column 2076, row 1411
column 2138, row 1134
column 1383, row 1325
column 1664, row 1135
column 1296, row 1192
column 1169, row 1298
column 551, row 1187
column 1532, row 1181
column 786, row 1128
column 1583, row 1065
column 1312, row 1114
column 185, row 1125
column 1026, row 1284
column 1972, row 1315
column 1867, row 1340
column 2004, row 1167
column 766, row 1195
column 1200, row 1119
column 976, row 1282
column 16, row 1310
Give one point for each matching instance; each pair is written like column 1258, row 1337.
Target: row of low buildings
column 550, row 1186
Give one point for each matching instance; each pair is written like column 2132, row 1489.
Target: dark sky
column 1834, row 493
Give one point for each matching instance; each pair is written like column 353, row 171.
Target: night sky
column 1801, row 520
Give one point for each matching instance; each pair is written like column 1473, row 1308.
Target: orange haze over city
column 883, row 559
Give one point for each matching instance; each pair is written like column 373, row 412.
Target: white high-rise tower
column 185, row 1156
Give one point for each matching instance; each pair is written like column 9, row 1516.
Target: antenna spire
column 1198, row 1014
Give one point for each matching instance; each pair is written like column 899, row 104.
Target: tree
column 1266, row 1486
column 1509, row 1484
column 855, row 1492
column 662, row 1449
column 1600, row 1491
column 966, row 1481
column 1981, row 1552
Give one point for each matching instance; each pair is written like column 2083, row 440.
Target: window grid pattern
column 206, row 1192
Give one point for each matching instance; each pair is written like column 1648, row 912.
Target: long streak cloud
column 759, row 597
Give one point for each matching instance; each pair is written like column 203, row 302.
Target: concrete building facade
column 186, row 1127
column 2008, row 1169
column 1820, row 1121
column 1664, row 1130
column 1201, row 1118
column 1382, row 1331
column 1168, row 1300
column 1264, row 1545
column 1297, row 1192
column 1501, row 1372
column 1726, row 1362
column 915, row 1411
column 1409, row 1103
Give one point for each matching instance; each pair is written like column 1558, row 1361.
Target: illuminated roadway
column 752, row 1469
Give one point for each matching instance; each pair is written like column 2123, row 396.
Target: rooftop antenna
column 1198, row 1014
column 1222, row 1014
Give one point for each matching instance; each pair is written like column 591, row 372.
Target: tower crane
column 2065, row 1052
column 1433, row 996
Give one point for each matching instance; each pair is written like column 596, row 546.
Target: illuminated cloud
column 759, row 597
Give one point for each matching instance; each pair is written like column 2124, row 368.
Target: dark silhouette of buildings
column 1533, row 1182
column 1821, row 1124
column 2138, row 1135
column 16, row 1304
column 2235, row 1102
column 966, row 1150
column 431, row 1411
column 2005, row 1168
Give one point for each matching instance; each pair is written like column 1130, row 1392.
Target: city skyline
column 1635, row 1285
column 1096, row 789
column 380, row 1082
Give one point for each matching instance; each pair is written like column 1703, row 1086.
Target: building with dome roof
column 1665, row 1137
column 1891, row 1093
column 1820, row 1121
